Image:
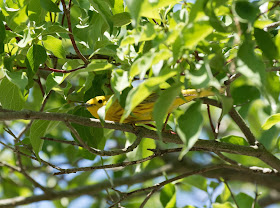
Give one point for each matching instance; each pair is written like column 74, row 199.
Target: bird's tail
column 190, row 94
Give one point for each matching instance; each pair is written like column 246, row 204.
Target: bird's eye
column 99, row 101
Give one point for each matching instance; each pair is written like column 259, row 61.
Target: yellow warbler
column 142, row 112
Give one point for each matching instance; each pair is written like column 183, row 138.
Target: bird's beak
column 86, row 105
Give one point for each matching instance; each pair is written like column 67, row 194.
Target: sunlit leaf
column 168, row 196
column 54, row 45
column 137, row 95
column 271, row 121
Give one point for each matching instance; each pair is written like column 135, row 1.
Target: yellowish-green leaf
column 54, row 45
column 10, row 95
column 271, row 121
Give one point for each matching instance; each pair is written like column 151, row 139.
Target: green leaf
column 38, row 130
column 121, row 19
column 118, row 6
column 243, row 200
column 151, row 9
column 49, row 6
column 250, row 65
column 98, row 65
column 140, row 93
column 196, row 181
column 277, row 42
column 225, row 195
column 224, row 205
column 213, row 19
column 36, row 55
column 2, row 36
column 104, row 11
column 163, row 104
column 147, row 143
column 18, row 78
column 266, row 43
column 192, row 34
column 134, row 7
column 271, row 121
column 10, row 95
column 149, row 59
column 234, row 140
column 227, row 104
column 54, row 29
column 244, row 93
column 53, row 80
column 189, row 127
column 168, row 196
column 200, row 78
column 90, row 135
column 54, row 45
column 197, row 10
column 141, row 65
column 36, row 12
column 245, row 11
column 119, row 81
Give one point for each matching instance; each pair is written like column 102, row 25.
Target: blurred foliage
column 166, row 44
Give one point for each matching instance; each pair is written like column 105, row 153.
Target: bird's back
column 143, row 112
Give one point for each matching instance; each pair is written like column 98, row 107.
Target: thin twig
column 184, row 175
column 157, row 153
column 40, row 85
column 23, row 131
column 271, row 8
column 22, row 168
column 31, row 157
column 271, row 69
column 148, row 197
column 231, row 193
column 67, row 12
column 230, row 161
column 232, row 78
column 211, row 122
column 14, row 168
column 271, row 26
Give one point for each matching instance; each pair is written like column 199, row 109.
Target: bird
column 142, row 113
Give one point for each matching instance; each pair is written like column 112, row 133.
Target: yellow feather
column 142, row 112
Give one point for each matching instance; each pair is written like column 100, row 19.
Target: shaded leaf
column 38, row 130
column 266, row 43
column 121, row 19
column 49, row 6
column 245, row 11
column 18, row 78
column 137, row 95
column 189, row 127
column 163, row 104
column 249, row 64
column 2, row 36
column 10, row 95
column 36, row 55
column 104, row 11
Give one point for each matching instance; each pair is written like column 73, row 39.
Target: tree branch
column 255, row 151
column 262, row 177
column 157, row 153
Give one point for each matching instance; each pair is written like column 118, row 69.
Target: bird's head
column 94, row 104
